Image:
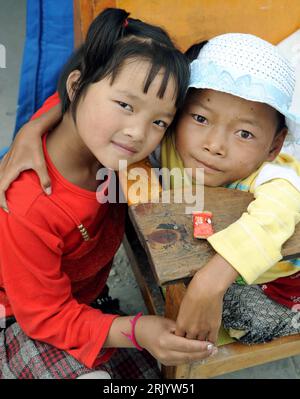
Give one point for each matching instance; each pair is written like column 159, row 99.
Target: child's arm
column 40, row 294
column 156, row 335
column 252, row 245
column 200, row 312
column 248, row 247
column 26, row 153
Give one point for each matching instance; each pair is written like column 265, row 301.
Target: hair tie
column 125, row 23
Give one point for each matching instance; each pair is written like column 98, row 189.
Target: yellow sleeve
column 253, row 243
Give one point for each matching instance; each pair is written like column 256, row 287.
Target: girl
column 119, row 94
column 233, row 125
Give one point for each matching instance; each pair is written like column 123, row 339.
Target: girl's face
column 119, row 121
column 227, row 136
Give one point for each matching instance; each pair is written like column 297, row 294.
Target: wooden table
column 163, row 252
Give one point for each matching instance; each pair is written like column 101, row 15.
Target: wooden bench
column 162, row 252
column 191, row 22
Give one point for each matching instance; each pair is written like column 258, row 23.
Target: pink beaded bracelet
column 132, row 335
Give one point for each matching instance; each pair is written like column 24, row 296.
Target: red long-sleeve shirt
column 48, row 273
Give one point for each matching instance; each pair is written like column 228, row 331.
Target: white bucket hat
column 251, row 68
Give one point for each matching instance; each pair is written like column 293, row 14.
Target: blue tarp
column 3, row 151
column 48, row 44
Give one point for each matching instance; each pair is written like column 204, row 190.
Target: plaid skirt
column 24, row 358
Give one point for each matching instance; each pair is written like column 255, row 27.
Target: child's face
column 227, row 136
column 119, row 121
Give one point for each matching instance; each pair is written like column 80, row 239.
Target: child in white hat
column 233, row 125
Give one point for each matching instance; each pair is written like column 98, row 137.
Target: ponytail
column 104, row 32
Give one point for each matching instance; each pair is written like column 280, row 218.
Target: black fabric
column 247, row 308
column 6, row 322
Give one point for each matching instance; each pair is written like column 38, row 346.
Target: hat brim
column 292, row 119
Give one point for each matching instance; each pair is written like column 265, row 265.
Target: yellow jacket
column 252, row 245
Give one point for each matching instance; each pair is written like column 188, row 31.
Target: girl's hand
column 26, row 152
column 157, row 335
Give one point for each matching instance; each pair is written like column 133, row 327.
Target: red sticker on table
column 202, row 222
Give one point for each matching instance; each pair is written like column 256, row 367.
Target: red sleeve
column 48, row 104
column 40, row 293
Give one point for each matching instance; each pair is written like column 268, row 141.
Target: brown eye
column 161, row 124
column 125, row 106
column 244, row 134
column 200, row 119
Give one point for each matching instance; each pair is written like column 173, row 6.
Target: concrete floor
column 12, row 29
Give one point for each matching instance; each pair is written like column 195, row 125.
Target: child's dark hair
column 114, row 38
column 281, row 122
column 193, row 52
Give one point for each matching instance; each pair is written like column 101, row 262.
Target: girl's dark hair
column 191, row 54
column 114, row 38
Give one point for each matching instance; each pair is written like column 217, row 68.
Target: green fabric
column 170, row 160
column 239, row 280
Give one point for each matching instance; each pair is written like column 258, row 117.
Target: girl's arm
column 156, row 335
column 26, row 152
column 39, row 292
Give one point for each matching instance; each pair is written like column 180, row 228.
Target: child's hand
column 26, row 152
column 200, row 312
column 156, row 334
